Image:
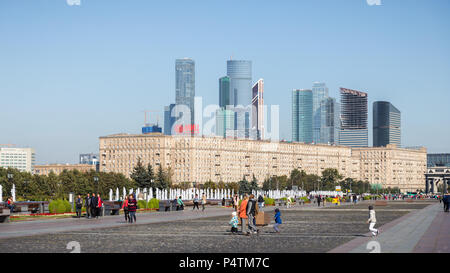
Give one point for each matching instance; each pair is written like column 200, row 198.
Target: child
column 372, row 221
column 234, row 223
column 277, row 220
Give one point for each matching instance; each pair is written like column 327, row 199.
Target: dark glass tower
column 185, row 84
column 302, row 115
column 386, row 124
column 354, row 132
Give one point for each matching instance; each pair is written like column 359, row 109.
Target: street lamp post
column 96, row 182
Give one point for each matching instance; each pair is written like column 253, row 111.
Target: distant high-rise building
column 224, row 92
column 302, row 115
column 320, row 93
column 258, row 109
column 22, row 159
column 386, row 124
column 185, row 85
column 168, row 119
column 330, row 123
column 224, row 123
column 240, row 73
column 354, row 132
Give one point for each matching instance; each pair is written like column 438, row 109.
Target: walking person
column 78, row 206
column 203, row 201
column 277, row 220
column 236, row 202
column 446, row 201
column 196, row 202
column 132, row 206
column 87, row 204
column 234, row 222
column 243, row 214
column 260, row 201
column 125, row 209
column 252, row 211
column 94, row 202
column 180, row 204
column 318, row 200
column 99, row 203
column 372, row 221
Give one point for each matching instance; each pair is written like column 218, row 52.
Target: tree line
column 41, row 187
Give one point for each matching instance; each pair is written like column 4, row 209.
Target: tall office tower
column 320, row 92
column 258, row 110
column 354, row 132
column 90, row 159
column 240, row 73
column 386, row 124
column 330, row 123
column 168, row 119
column 224, row 117
column 302, row 115
column 185, row 85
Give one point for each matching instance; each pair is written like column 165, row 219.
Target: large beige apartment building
column 22, row 159
column 59, row 168
column 200, row 159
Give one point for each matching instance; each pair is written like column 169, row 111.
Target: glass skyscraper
column 224, row 117
column 386, row 124
column 330, row 122
column 354, row 115
column 168, row 119
column 320, row 93
column 302, row 115
column 185, row 84
column 240, row 74
column 257, row 130
column 438, row 160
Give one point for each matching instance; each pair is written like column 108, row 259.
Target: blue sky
column 69, row 74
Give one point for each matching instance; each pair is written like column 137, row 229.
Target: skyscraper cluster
column 241, row 103
column 318, row 118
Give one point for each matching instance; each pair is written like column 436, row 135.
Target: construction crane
column 151, row 111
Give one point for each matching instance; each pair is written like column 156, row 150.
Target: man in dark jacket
column 252, row 210
column 94, row 202
column 87, row 204
column 446, row 201
column 78, row 205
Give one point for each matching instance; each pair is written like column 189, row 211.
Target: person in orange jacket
column 243, row 213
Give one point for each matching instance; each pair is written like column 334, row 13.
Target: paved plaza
column 420, row 226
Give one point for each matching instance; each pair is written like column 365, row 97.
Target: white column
column 13, row 192
column 117, row 194
column 1, row 193
column 110, row 194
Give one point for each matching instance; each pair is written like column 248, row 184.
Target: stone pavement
column 426, row 230
column 304, row 229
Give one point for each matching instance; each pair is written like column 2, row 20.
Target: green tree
column 161, row 179
column 254, row 184
column 330, row 178
column 244, row 186
column 139, row 174
column 209, row 185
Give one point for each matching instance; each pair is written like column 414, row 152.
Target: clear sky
column 69, row 74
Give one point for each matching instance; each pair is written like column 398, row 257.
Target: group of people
column 247, row 211
column 93, row 204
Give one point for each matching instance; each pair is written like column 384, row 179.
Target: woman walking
column 132, row 206
column 196, row 202
column 203, row 201
column 243, row 214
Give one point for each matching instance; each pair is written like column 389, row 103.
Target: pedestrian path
column 425, row 230
column 28, row 228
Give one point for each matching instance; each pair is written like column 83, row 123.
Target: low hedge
column 269, row 201
column 153, row 204
column 142, row 204
column 59, row 206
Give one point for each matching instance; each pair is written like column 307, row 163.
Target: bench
column 4, row 214
column 112, row 207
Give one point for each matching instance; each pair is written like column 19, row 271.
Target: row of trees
column 40, row 187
